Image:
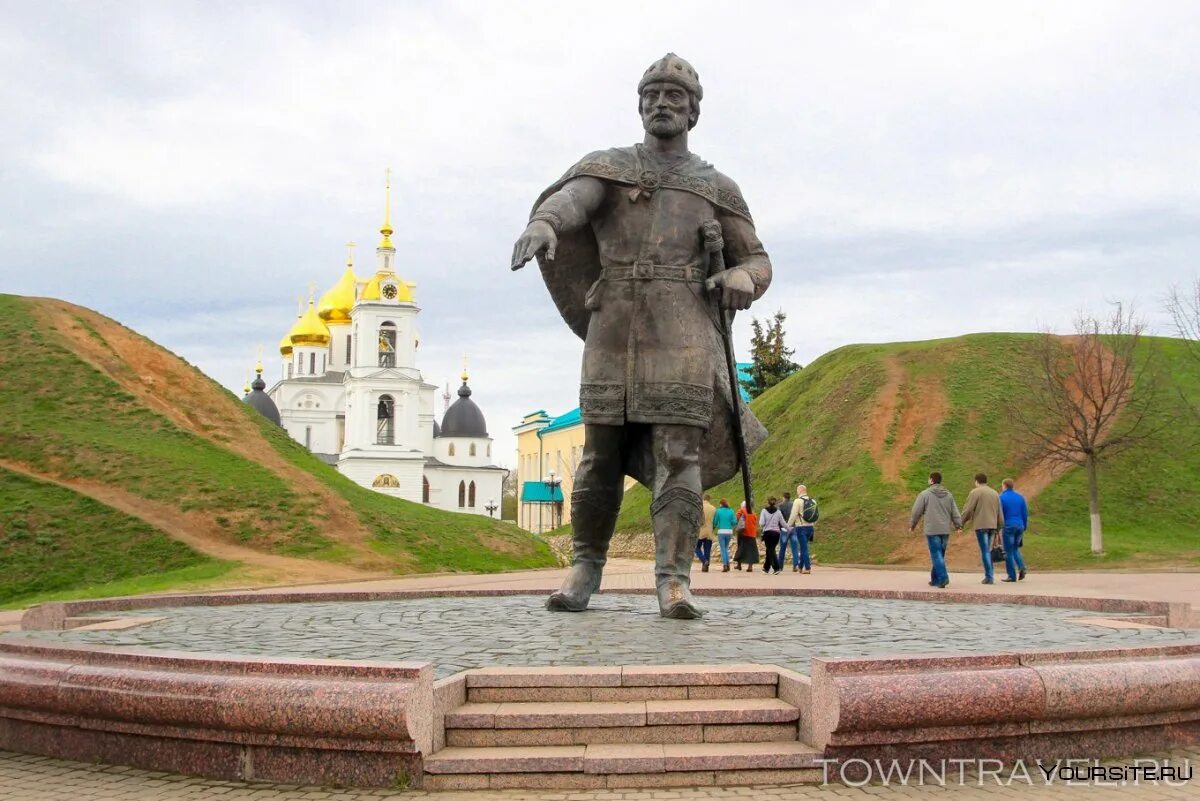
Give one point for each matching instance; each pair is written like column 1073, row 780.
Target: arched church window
column 424, row 490
column 451, row 449
column 385, row 423
column 489, row 450
column 312, row 363
column 472, row 448
column 387, row 344
column 462, row 494
column 471, row 495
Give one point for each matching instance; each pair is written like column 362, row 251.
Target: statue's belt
column 647, row 271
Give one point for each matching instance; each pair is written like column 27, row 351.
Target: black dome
column 261, row 402
column 463, row 418
column 437, row 429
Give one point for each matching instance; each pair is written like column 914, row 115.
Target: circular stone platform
column 458, row 633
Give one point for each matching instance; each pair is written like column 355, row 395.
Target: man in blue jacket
column 1016, row 520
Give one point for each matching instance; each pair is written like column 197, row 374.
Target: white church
column 352, row 394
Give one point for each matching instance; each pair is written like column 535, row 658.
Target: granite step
column 437, row 782
column 588, row 735
column 605, row 714
column 620, row 765
column 652, row 693
column 620, row 683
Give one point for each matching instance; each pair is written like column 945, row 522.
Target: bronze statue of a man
column 620, row 245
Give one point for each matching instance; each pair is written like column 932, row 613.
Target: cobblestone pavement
column 30, row 778
column 459, row 633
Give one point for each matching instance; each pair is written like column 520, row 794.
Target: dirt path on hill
column 175, row 389
column 199, row 533
column 909, row 411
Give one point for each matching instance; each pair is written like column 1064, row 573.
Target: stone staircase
column 586, row 728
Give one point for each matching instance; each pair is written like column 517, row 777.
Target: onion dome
column 463, row 418
column 309, row 329
column 259, row 400
column 335, row 305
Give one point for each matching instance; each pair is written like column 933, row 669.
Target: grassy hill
column 120, row 462
column 863, row 425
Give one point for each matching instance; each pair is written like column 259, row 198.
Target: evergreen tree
column 771, row 356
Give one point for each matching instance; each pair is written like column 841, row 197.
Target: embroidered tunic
column 653, row 351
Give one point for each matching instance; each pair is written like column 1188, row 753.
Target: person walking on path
column 724, row 521
column 704, row 538
column 936, row 505
column 747, row 544
column 771, row 523
column 983, row 510
column 803, row 529
column 1016, row 520
column 786, row 535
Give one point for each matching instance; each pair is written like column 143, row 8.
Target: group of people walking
column 780, row 525
column 999, row 520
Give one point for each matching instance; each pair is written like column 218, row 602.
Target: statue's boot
column 676, row 517
column 593, row 518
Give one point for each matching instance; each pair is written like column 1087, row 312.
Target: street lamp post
column 491, row 507
column 552, row 482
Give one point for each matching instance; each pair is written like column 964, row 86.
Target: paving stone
column 460, row 633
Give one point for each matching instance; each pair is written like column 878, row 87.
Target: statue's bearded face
column 666, row 109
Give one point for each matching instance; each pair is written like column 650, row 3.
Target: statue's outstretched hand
column 736, row 287
column 538, row 236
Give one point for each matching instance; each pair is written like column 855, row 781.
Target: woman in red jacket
column 747, row 547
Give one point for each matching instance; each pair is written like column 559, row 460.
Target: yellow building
column 548, row 454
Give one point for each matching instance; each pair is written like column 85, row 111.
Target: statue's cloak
column 577, row 267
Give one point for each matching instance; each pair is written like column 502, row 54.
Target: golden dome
column 285, row 344
column 309, row 330
column 336, row 304
column 404, row 289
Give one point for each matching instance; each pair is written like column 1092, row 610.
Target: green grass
column 420, row 538
column 186, row 578
column 69, row 419
column 55, row 541
column 72, row 420
column 817, row 424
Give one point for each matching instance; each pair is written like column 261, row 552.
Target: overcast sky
column 916, row 170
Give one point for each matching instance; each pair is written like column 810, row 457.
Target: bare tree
column 1184, row 308
column 1092, row 395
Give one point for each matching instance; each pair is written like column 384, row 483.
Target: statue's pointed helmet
column 673, row 69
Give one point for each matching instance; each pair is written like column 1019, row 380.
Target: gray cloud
column 189, row 168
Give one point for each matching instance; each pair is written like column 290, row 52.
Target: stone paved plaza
column 33, row 778
column 460, row 633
